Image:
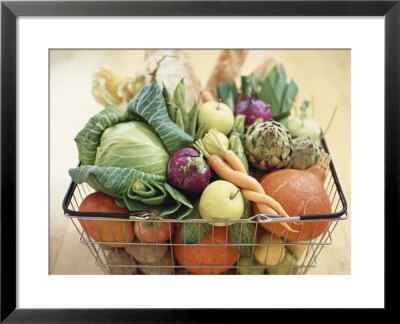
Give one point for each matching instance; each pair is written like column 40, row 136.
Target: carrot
column 235, row 162
column 264, row 199
column 251, row 188
column 226, row 172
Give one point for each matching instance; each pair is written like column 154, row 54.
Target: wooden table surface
column 321, row 74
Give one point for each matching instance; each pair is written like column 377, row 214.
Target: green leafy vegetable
column 169, row 103
column 227, row 92
column 277, row 93
column 88, row 139
column 134, row 189
column 110, row 180
column 149, row 104
column 249, row 85
column 144, row 195
column 132, row 145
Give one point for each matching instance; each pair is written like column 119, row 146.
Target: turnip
column 188, row 171
column 253, row 109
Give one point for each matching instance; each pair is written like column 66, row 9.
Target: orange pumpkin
column 300, row 192
column 208, row 255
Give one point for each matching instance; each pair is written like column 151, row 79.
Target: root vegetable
column 269, row 255
column 297, row 250
column 188, row 171
column 144, row 253
column 120, row 257
column 163, row 266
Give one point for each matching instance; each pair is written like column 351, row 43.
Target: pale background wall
column 323, row 74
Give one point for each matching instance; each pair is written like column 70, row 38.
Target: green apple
column 216, row 115
column 221, row 200
column 246, row 262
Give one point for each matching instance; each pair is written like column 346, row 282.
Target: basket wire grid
column 124, row 256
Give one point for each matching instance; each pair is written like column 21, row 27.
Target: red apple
column 154, row 232
column 104, row 230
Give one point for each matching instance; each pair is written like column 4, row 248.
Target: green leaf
column 110, row 180
column 227, row 92
column 267, row 94
column 289, row 96
column 280, row 86
column 169, row 103
column 185, row 206
column 150, row 105
column 179, row 99
column 193, row 115
column 273, row 75
column 88, row 139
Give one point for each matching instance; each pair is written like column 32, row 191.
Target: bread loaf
column 226, row 69
column 168, row 67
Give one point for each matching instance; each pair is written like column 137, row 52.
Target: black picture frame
column 11, row 10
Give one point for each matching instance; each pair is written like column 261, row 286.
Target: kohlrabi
column 188, row 171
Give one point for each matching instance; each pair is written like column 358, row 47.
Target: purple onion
column 253, row 109
column 188, row 171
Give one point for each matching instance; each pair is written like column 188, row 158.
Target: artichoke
column 306, row 153
column 268, row 145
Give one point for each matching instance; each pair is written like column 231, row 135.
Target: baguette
column 168, row 67
column 226, row 69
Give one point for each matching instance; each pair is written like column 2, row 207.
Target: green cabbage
column 115, row 138
column 132, row 145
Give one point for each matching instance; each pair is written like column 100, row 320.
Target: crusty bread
column 169, row 67
column 226, row 69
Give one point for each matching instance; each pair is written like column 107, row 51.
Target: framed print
column 54, row 86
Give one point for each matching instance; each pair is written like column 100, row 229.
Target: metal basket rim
column 276, row 218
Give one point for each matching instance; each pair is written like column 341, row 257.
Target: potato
column 166, row 260
column 120, row 257
column 269, row 255
column 146, row 253
column 296, row 250
column 287, row 263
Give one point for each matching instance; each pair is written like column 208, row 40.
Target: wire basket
column 171, row 246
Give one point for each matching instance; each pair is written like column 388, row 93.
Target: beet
column 188, row 171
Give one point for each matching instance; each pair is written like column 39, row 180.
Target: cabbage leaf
column 88, row 139
column 146, row 195
column 110, row 180
column 150, row 105
column 133, row 145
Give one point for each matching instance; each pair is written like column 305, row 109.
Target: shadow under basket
column 207, row 249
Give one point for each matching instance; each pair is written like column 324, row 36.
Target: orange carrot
column 235, row 162
column 226, row 172
column 234, row 172
column 264, row 199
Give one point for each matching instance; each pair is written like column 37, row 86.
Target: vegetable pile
column 222, row 159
